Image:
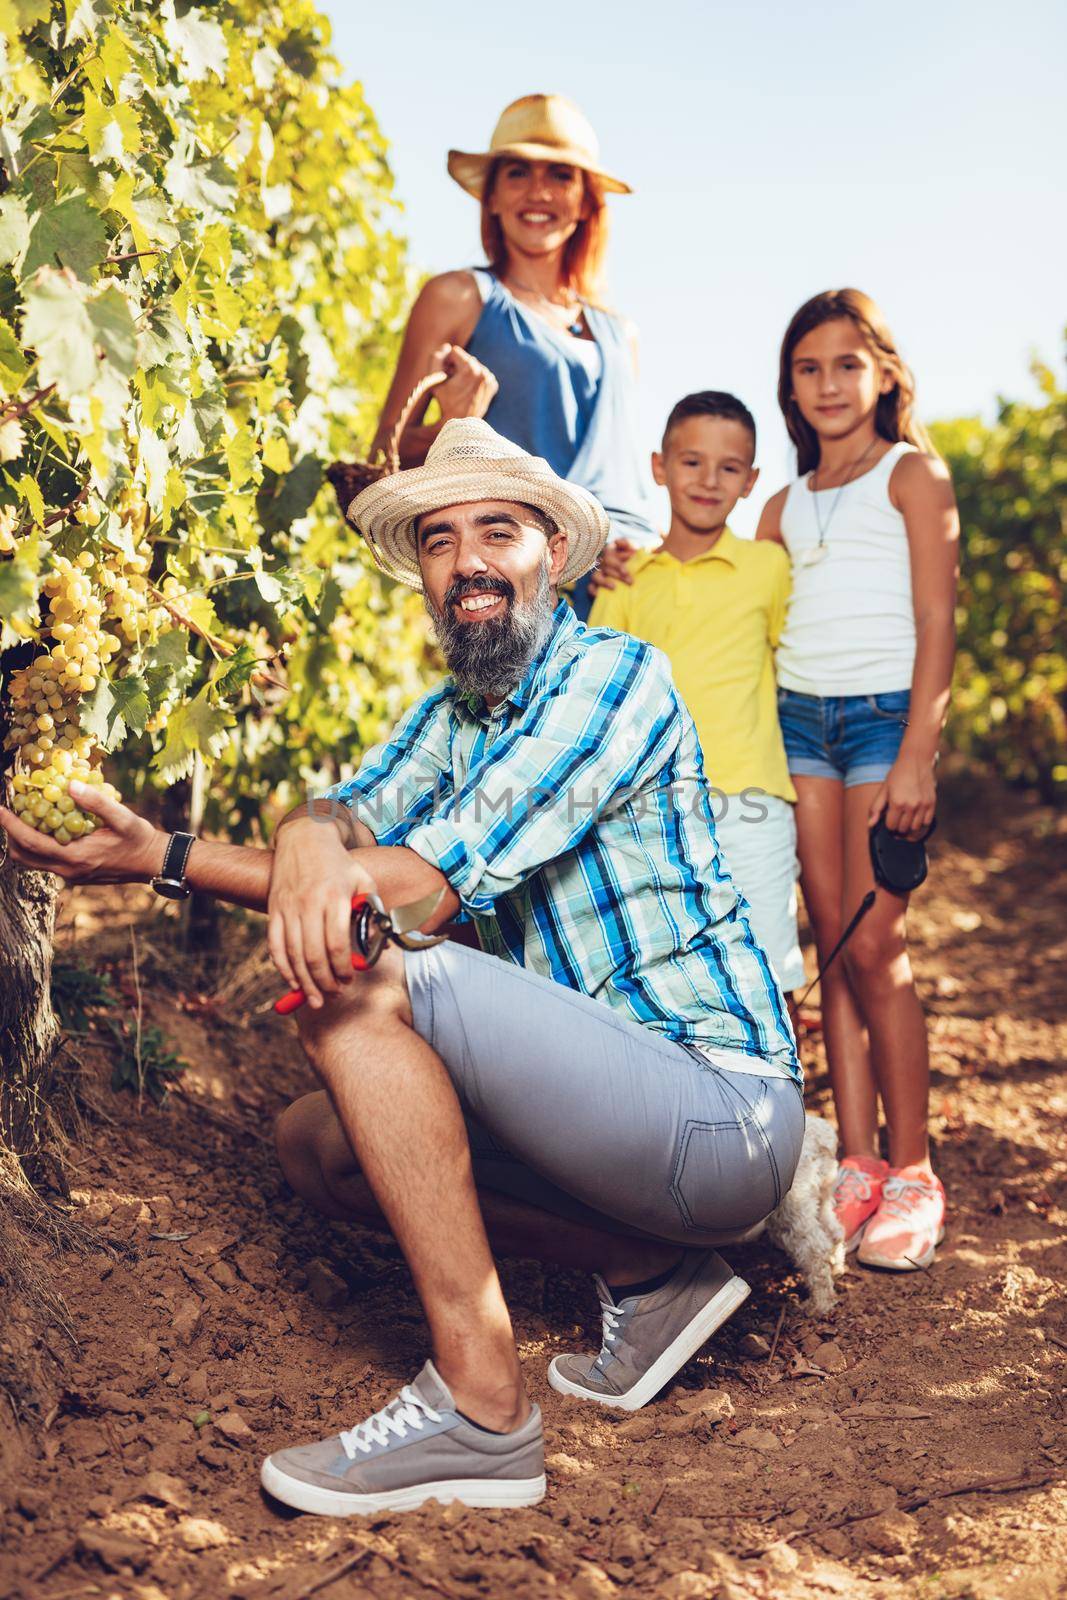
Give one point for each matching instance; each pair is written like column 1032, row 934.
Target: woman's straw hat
column 467, row 462
column 539, row 127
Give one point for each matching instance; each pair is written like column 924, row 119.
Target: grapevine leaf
column 232, row 674
column 198, row 726
column 57, row 326
column 95, row 715
column 29, row 490
column 208, row 187
column 18, row 590
column 162, row 337
column 110, row 131
column 14, row 230
column 167, row 666
column 13, row 364
column 199, row 41
column 70, row 232
column 145, row 212
column 131, row 705
column 283, row 499
column 84, row 18
column 114, row 327
column 240, row 455
column 200, row 612
column 115, row 57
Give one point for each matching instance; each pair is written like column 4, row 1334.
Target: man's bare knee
column 374, row 1000
column 301, row 1137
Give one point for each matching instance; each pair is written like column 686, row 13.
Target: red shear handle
column 296, row 997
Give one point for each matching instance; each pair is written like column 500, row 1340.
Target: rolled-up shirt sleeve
column 610, row 719
column 403, row 780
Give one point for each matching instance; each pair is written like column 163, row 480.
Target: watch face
column 170, row 888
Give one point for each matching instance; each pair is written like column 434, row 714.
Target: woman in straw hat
column 525, row 342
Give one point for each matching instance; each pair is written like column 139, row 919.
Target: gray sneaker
column 416, row 1448
column 649, row 1337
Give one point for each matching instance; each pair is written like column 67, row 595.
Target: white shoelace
column 407, row 1411
column 900, row 1194
column 852, row 1185
column 612, row 1319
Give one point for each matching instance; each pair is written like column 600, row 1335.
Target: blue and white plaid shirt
column 574, row 823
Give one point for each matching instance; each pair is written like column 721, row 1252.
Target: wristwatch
column 171, row 882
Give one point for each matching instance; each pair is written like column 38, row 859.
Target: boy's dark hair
column 711, row 403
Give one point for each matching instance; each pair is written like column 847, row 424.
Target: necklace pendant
column 812, row 557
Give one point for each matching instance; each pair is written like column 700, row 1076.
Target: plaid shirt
column 574, row 823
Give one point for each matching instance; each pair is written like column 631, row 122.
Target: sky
column 775, row 149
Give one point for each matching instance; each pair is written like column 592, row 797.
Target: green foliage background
column 1010, row 692
column 200, row 295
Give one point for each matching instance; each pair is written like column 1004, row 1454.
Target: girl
column 524, row 340
column 864, row 668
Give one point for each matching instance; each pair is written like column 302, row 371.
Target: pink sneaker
column 858, row 1194
column 909, row 1224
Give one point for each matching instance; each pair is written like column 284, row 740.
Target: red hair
column 585, row 250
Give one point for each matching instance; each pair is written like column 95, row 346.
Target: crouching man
column 610, row 1081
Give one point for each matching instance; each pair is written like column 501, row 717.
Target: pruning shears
column 372, row 929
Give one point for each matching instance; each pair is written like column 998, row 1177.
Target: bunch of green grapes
column 44, row 695
column 42, row 800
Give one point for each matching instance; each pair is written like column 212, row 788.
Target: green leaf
column 14, row 230
column 162, row 336
column 198, row 726
column 167, row 666
column 283, row 499
column 18, row 590
column 13, row 364
column 28, row 489
column 115, row 57
column 232, row 674
column 110, row 131
column 199, row 41
column 209, row 188
column 145, row 211
column 70, row 232
column 58, row 327
column 114, row 327
column 95, row 712
column 240, row 456
column 131, row 704
column 118, row 706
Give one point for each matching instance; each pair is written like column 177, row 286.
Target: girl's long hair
column 893, row 417
column 586, row 249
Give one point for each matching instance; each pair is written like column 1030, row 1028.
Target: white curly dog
column 804, row 1225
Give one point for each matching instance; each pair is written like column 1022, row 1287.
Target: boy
column 714, row 604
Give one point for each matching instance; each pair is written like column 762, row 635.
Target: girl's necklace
column 571, row 305
column 817, row 552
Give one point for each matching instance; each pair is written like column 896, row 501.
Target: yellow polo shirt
column 718, row 618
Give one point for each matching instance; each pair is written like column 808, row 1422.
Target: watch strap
column 173, row 869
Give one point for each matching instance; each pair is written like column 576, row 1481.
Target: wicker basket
column 349, row 478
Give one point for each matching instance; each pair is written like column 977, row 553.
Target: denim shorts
column 854, row 738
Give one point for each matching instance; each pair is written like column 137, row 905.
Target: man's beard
column 490, row 658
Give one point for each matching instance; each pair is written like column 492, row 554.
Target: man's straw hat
column 468, row 462
column 539, row 127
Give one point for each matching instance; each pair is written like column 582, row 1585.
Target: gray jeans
column 582, row 1113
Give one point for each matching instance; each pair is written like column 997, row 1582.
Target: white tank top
column 850, row 628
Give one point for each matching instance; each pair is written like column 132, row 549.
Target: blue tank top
column 572, row 401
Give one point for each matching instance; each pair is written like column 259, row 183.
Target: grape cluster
column 42, row 800
column 99, row 610
column 44, row 695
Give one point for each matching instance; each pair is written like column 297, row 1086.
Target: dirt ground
column 911, row 1444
